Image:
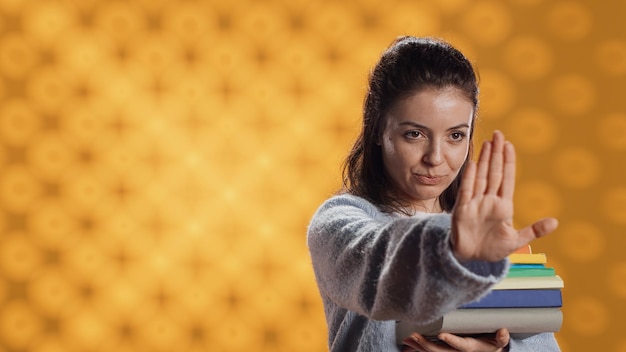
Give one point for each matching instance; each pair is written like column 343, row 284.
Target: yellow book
column 527, row 258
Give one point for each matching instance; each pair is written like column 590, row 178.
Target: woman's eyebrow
column 415, row 124
column 462, row 125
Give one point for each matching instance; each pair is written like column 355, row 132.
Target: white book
column 530, row 282
column 519, row 321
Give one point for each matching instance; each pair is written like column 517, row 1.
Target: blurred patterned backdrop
column 160, row 160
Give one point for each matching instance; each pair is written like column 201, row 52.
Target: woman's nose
column 433, row 155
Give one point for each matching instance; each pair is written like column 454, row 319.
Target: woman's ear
column 380, row 136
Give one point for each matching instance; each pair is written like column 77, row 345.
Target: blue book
column 532, row 266
column 519, row 299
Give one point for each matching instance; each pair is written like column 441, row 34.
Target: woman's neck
column 423, row 207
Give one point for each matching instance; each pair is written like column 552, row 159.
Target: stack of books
column 528, row 301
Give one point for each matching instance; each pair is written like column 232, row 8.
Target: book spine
column 516, row 320
column 488, row 320
column 513, row 272
column 530, row 282
column 525, row 258
column 530, row 298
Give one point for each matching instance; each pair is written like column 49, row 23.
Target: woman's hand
column 448, row 342
column 482, row 218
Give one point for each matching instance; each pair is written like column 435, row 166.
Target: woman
column 420, row 229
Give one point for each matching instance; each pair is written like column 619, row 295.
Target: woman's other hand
column 448, row 342
column 482, row 219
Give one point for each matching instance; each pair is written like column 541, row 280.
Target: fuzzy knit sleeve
column 389, row 268
column 545, row 342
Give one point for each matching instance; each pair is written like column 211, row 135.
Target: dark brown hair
column 408, row 66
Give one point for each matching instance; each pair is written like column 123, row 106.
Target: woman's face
column 424, row 143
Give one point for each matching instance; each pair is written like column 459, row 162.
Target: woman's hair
column 407, row 67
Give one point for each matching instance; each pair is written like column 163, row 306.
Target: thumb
column 502, row 338
column 539, row 229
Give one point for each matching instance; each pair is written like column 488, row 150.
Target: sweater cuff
column 482, row 271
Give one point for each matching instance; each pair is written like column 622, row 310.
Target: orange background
column 160, row 160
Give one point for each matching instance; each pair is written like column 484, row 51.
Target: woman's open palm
column 482, row 219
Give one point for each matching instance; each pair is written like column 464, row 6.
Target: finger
column 426, row 345
column 502, row 338
column 480, row 183
column 411, row 346
column 466, row 191
column 508, row 177
column 494, row 178
column 544, row 226
column 455, row 341
column 538, row 229
column 415, row 341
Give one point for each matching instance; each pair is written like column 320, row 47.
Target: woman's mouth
column 429, row 179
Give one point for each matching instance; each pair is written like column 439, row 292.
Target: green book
column 520, row 272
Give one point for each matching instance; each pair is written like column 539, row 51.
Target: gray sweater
column 373, row 268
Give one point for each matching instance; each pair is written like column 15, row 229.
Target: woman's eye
column 457, row 136
column 413, row 134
